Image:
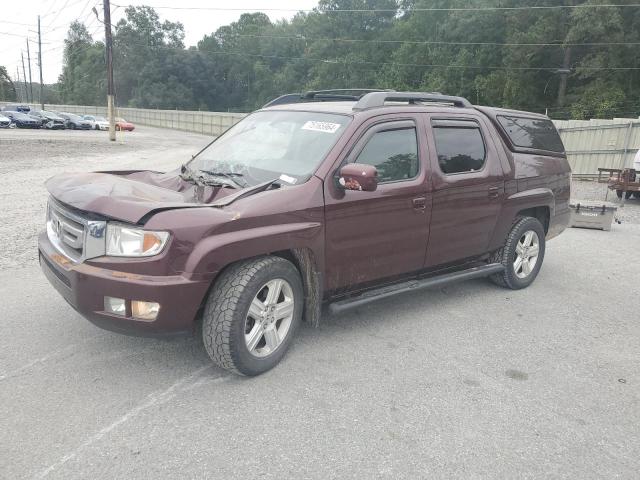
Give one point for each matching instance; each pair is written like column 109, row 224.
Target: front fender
column 214, row 253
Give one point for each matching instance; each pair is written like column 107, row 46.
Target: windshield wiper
column 261, row 187
column 230, row 175
column 190, row 175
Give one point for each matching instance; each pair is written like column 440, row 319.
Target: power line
column 13, row 34
column 396, row 10
column 435, row 42
column 393, row 64
column 431, row 42
column 57, row 12
column 371, row 63
column 18, row 23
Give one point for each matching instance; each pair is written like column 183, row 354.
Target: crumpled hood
column 128, row 196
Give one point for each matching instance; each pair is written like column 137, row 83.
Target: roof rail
column 378, row 99
column 335, row 95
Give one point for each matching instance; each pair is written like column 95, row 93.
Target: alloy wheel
column 269, row 318
column 527, row 251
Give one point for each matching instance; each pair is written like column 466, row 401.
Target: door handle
column 494, row 192
column 420, row 202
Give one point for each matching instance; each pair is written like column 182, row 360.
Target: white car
column 5, row 122
column 97, row 123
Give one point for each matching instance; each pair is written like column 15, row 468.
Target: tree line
column 577, row 62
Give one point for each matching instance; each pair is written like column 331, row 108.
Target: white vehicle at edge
column 5, row 122
column 97, row 123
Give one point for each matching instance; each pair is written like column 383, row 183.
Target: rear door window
column 459, row 146
column 535, row 133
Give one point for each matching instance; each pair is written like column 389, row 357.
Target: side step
column 413, row 285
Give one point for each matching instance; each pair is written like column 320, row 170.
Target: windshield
column 100, row 119
column 19, row 115
column 272, row 145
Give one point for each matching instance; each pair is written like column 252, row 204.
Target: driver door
column 371, row 236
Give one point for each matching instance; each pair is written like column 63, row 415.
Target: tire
column 513, row 278
column 72, row 126
column 627, row 196
column 229, row 330
column 117, row 128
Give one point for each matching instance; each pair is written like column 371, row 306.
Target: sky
column 18, row 20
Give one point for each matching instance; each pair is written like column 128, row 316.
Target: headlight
column 123, row 241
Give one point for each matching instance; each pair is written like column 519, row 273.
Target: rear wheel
column 620, row 192
column 521, row 255
column 117, row 128
column 252, row 314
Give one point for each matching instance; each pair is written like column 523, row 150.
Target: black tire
column 117, row 128
column 225, row 313
column 627, row 196
column 72, row 126
column 507, row 255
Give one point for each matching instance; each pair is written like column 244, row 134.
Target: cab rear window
column 535, row 133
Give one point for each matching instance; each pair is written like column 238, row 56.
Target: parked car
column 97, row 123
column 48, row 119
column 306, row 202
column 17, row 108
column 22, row 120
column 75, row 122
column 5, row 122
column 122, row 124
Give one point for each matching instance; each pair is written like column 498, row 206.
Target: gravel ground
column 468, row 381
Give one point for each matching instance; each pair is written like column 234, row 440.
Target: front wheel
column 252, row 314
column 521, row 255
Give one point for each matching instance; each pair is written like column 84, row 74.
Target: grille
column 76, row 236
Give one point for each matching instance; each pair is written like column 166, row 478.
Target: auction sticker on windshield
column 326, row 127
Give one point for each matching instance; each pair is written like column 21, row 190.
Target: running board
column 413, row 285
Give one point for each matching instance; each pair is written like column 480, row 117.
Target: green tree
column 7, row 88
column 82, row 79
column 567, row 61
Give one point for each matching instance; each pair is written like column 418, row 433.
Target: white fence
column 590, row 143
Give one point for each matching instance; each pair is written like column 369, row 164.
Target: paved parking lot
column 468, row 381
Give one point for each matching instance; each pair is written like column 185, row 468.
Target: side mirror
column 358, row 176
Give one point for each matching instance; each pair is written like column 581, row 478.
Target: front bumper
column 84, row 287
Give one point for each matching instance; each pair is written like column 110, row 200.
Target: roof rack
column 378, row 99
column 335, row 95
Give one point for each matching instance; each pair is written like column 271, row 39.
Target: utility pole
column 110, row 91
column 564, row 73
column 18, row 77
column 24, row 77
column 29, row 63
column 40, row 63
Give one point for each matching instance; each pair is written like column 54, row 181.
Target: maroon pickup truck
column 326, row 199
